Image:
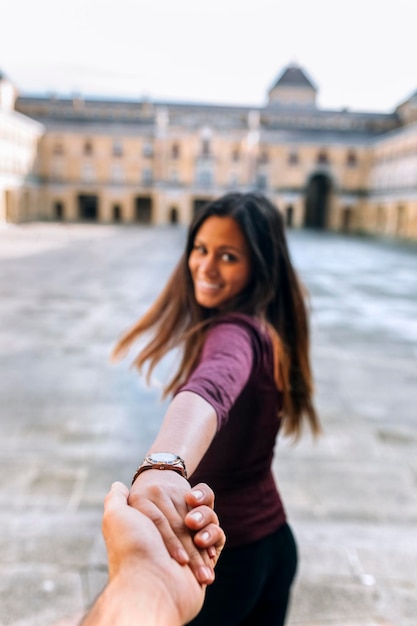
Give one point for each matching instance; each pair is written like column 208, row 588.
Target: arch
column 401, row 221
column 317, row 202
column 289, row 216
column 347, row 219
column 173, row 215
column 117, row 212
column 88, row 207
column 143, row 209
column 381, row 219
column 58, row 210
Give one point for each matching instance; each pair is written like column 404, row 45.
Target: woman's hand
column 203, row 521
column 165, row 498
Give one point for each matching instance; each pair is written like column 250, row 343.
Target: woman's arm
column 189, row 426
column 187, row 430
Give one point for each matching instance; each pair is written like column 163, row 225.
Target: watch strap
column 146, row 465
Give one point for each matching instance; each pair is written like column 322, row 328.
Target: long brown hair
column 274, row 295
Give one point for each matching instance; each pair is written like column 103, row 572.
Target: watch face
column 162, row 457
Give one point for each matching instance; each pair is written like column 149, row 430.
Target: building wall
column 155, row 162
column 19, row 137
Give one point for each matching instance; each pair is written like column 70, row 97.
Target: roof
column 294, row 76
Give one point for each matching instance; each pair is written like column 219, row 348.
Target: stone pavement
column 70, row 423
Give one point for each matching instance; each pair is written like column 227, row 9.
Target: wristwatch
column 162, row 461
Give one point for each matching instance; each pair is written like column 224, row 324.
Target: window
column 88, row 148
column 263, row 157
column 87, row 172
column 204, row 177
column 117, row 148
column 205, row 147
column 146, row 176
column 117, row 173
column 261, row 181
column 293, row 158
column 401, row 221
column 175, row 151
column 147, row 150
column 380, row 219
column 233, row 180
column 322, row 157
column 57, row 169
column 351, row 159
column 235, row 155
column 174, row 177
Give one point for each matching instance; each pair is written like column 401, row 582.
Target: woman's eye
column 226, row 256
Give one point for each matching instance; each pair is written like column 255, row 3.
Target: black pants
column 252, row 585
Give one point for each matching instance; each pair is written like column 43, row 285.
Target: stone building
column 157, row 162
column 19, row 139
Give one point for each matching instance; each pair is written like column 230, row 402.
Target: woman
column 236, row 308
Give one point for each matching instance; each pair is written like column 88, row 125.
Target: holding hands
column 146, row 585
column 165, row 498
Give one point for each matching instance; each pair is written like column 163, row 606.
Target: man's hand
column 146, row 585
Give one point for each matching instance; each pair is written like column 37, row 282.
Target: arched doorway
column 317, row 202
column 347, row 219
column 117, row 213
column 88, row 207
column 143, row 209
column 289, row 216
column 173, row 215
column 58, row 210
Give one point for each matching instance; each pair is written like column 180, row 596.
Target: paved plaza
column 71, row 423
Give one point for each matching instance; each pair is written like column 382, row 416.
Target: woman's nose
column 209, row 266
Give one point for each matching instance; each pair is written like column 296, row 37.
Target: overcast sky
column 361, row 54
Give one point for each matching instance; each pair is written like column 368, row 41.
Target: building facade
column 157, row 162
column 19, row 149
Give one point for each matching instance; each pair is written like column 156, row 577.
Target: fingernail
column 205, row 536
column 196, row 516
column 198, row 495
column 182, row 556
column 205, row 574
column 212, row 552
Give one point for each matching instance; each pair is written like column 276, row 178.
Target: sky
column 360, row 54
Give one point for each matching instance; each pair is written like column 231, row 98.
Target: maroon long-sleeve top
column 235, row 375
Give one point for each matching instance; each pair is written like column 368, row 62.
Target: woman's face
column 219, row 262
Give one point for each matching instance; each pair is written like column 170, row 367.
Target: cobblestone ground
column 70, row 423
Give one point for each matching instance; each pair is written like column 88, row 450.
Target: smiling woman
column 235, row 307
